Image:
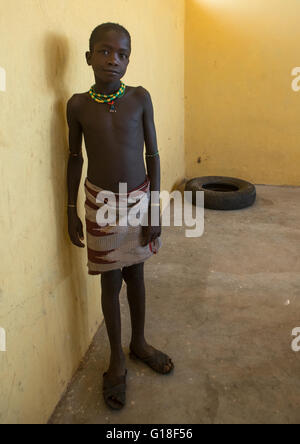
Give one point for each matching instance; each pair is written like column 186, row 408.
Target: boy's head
column 110, row 48
column 101, row 29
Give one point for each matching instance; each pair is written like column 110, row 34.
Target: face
column 110, row 53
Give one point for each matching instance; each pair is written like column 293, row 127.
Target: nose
column 113, row 60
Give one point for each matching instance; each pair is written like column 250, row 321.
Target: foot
column 114, row 382
column 157, row 360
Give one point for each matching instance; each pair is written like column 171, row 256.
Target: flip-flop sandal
column 157, row 361
column 115, row 395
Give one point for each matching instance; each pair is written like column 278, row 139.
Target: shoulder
column 76, row 100
column 75, row 103
column 74, row 107
column 137, row 91
column 143, row 92
column 144, row 97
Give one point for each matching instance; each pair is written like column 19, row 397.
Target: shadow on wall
column 56, row 50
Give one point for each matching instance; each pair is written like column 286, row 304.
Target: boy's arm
column 74, row 171
column 75, row 154
column 151, row 232
column 153, row 163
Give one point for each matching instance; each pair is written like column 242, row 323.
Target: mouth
column 111, row 71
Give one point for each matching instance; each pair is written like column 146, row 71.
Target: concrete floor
column 223, row 306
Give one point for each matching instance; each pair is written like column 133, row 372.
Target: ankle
column 117, row 355
column 138, row 343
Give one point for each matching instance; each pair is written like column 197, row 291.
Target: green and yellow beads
column 107, row 98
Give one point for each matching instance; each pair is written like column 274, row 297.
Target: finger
column 146, row 241
column 154, row 235
column 80, row 244
column 77, row 242
column 80, row 232
column 146, row 237
column 80, row 229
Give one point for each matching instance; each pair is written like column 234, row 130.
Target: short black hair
column 108, row 27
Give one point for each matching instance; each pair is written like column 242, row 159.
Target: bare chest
column 98, row 122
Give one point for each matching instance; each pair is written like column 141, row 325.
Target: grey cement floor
column 223, row 306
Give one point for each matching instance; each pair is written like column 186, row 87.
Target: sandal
column 157, row 361
column 114, row 395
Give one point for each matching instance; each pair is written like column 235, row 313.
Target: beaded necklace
column 108, row 98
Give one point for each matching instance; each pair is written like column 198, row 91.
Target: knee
column 133, row 273
column 111, row 281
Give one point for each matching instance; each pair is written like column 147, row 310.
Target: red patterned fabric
column 109, row 246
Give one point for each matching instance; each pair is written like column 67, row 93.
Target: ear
column 88, row 57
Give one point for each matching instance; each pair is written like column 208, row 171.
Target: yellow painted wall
column 241, row 119
column 49, row 306
column 242, row 116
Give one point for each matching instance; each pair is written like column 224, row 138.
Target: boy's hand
column 150, row 233
column 75, row 228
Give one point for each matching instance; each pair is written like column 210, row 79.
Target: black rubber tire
column 240, row 194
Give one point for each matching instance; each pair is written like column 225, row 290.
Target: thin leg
column 134, row 278
column 111, row 284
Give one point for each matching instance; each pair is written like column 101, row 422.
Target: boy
column 116, row 120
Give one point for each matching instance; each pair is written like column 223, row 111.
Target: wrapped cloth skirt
column 113, row 241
